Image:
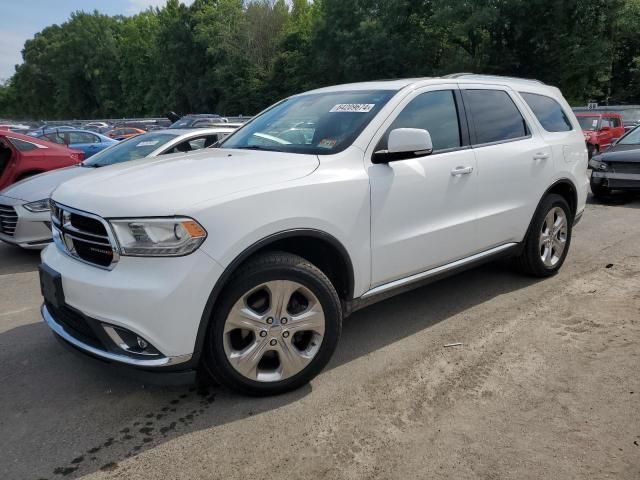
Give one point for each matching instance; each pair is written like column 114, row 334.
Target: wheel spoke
column 243, row 317
column 311, row 319
column 550, row 221
column 292, row 360
column 246, row 362
column 548, row 256
column 281, row 291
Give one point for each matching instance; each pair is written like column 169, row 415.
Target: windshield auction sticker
column 353, row 107
column 148, row 143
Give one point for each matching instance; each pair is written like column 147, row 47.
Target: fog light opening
column 131, row 342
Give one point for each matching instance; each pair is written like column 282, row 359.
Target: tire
column 541, row 255
column 249, row 349
column 599, row 191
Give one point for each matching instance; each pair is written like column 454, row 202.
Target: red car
column 22, row 156
column 600, row 129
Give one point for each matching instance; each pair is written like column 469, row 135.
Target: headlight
column 597, row 164
column 38, row 206
column 158, row 237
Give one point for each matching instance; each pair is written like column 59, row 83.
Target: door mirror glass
column 405, row 143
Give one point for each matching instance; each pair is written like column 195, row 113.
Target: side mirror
column 405, row 143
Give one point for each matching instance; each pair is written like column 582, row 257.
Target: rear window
column 22, row 145
column 495, row 117
column 548, row 112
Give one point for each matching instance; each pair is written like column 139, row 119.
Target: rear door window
column 548, row 112
column 494, row 116
column 23, row 145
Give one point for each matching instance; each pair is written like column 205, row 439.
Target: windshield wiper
column 257, row 147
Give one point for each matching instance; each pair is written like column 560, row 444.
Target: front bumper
column 616, row 181
column 32, row 230
column 159, row 299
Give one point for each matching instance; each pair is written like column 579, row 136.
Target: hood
column 621, row 153
column 169, row 186
column 40, row 186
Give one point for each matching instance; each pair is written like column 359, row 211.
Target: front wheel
column 548, row 240
column 275, row 327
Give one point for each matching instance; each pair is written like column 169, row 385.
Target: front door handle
column 541, row 156
column 456, row 172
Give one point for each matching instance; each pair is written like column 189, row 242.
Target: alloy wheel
column 274, row 331
column 553, row 237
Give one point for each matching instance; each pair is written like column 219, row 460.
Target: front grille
column 75, row 325
column 83, row 236
column 8, row 220
column 621, row 167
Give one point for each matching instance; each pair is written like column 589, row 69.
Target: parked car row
column 24, row 206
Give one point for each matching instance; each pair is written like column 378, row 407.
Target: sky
column 21, row 19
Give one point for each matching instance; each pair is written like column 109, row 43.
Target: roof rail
column 496, row 77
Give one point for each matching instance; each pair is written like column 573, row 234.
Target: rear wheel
column 548, row 240
column 275, row 327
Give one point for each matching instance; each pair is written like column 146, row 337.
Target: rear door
column 515, row 163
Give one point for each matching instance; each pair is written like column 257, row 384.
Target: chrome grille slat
column 8, row 220
column 87, row 246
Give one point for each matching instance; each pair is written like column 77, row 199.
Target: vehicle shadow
column 64, row 416
column 617, row 199
column 14, row 259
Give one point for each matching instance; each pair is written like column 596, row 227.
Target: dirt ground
column 545, row 386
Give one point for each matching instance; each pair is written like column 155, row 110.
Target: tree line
column 237, row 56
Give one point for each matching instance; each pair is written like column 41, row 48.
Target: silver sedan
column 24, row 206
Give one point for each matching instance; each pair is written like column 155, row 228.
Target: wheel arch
column 320, row 248
column 567, row 190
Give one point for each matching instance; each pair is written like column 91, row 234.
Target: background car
column 22, row 156
column 124, row 132
column 198, row 120
column 600, row 129
column 26, row 204
column 618, row 168
column 87, row 141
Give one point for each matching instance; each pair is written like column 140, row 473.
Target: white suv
column 245, row 259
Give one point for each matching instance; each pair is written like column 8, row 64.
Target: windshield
column 589, row 123
column 317, row 123
column 131, row 149
column 631, row 138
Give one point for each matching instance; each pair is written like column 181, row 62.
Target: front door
column 422, row 209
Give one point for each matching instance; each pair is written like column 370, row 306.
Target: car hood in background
column 621, row 153
column 40, row 186
column 169, row 186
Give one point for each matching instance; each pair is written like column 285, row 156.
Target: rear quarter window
column 548, row 112
column 22, row 145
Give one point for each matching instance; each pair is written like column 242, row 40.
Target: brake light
column 77, row 156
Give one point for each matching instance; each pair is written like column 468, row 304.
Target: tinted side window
column 22, row 145
column 81, row 137
column 494, row 116
column 548, row 112
column 432, row 111
column 606, row 122
column 615, row 122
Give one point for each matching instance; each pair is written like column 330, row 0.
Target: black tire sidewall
column 215, row 358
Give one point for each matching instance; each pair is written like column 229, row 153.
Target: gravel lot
column 546, row 385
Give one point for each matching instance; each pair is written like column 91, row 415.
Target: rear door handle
column 456, row 172
column 541, row 156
